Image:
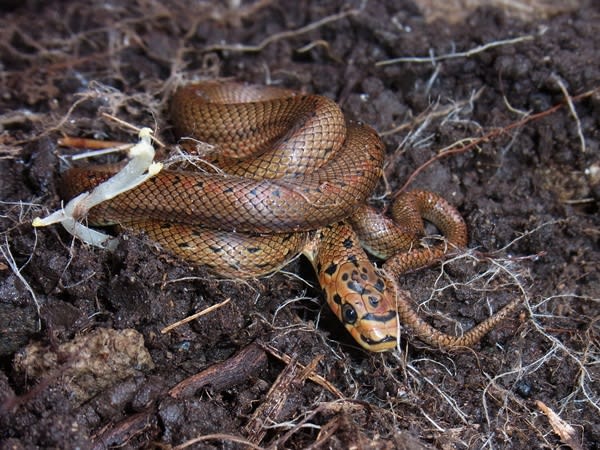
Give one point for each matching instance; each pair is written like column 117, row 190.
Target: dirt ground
column 512, row 97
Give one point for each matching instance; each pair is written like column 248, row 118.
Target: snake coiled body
column 294, row 177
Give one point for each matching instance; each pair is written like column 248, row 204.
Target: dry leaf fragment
column 565, row 432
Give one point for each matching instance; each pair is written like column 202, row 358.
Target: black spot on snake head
column 379, row 284
column 354, row 260
column 355, row 286
column 373, row 301
column 331, row 269
column 348, row 243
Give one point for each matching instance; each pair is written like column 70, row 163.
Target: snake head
column 363, row 300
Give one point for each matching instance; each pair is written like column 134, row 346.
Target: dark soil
column 75, row 374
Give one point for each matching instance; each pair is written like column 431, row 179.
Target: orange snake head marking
column 363, row 301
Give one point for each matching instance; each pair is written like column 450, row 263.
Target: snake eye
column 349, row 314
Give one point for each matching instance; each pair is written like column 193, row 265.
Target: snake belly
column 294, row 177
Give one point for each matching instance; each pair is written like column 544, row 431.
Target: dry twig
column 481, row 48
column 284, row 34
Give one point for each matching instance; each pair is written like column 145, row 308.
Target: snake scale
column 294, row 177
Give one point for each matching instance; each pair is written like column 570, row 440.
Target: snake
column 285, row 173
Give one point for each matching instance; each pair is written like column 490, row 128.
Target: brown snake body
column 296, row 177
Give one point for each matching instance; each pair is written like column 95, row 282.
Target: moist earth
column 507, row 106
